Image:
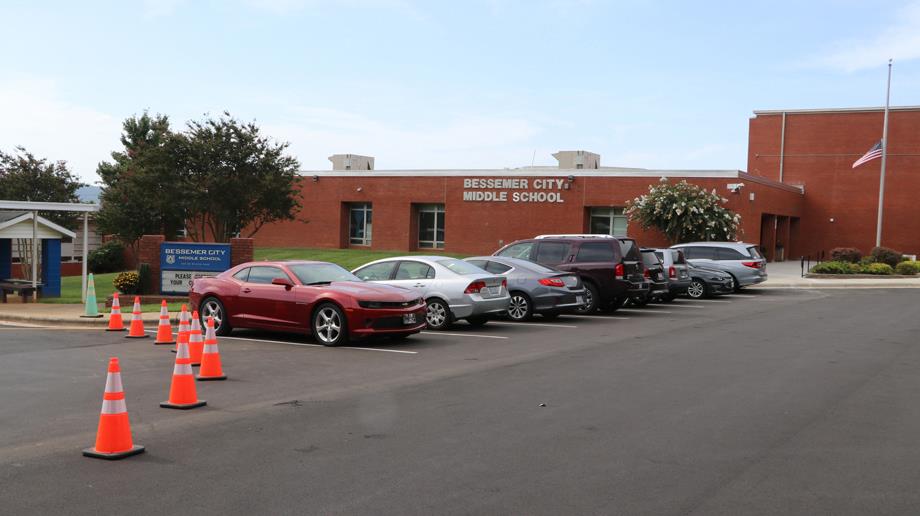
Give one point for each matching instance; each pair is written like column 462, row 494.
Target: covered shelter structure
column 20, row 220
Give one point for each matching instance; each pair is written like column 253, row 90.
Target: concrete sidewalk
column 68, row 315
column 789, row 275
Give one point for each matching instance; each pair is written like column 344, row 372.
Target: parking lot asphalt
column 792, row 402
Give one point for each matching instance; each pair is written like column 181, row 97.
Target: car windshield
column 321, row 273
column 460, row 267
column 754, row 252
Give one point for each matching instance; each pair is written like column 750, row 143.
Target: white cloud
column 900, row 41
column 469, row 141
column 37, row 118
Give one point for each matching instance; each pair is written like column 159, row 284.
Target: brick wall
column 241, row 250
column 148, row 251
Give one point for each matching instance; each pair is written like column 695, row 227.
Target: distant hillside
column 89, row 193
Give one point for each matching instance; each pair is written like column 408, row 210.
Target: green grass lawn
column 348, row 258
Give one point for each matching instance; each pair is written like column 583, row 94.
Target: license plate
column 409, row 319
column 493, row 291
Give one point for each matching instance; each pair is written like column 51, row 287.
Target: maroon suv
column 610, row 267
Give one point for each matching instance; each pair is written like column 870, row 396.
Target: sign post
column 183, row 262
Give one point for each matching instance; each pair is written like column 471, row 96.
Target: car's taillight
column 551, row 282
column 475, row 287
column 619, row 271
column 753, row 265
column 672, row 272
column 504, row 283
column 646, row 274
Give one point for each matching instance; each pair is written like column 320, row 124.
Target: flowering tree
column 684, row 212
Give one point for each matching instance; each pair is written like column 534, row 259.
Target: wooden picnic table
column 23, row 287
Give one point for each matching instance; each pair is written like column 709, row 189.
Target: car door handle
column 247, row 290
column 419, row 285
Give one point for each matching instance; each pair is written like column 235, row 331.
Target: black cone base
column 91, row 452
column 199, row 403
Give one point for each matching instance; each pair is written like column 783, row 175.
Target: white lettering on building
column 497, row 190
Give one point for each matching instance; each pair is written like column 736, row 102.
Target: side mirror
column 283, row 281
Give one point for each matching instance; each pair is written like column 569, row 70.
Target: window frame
column 279, row 269
column 613, row 214
column 439, row 212
column 367, row 214
column 392, row 264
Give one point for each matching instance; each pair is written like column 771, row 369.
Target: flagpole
column 881, row 179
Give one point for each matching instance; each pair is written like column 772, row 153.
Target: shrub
column 846, row 254
column 109, row 257
column 128, row 282
column 881, row 269
column 886, row 255
column 908, row 268
column 866, row 260
column 835, row 268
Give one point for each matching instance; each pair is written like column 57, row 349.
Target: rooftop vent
column 577, row 159
column 351, row 162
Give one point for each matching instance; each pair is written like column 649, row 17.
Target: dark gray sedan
column 535, row 289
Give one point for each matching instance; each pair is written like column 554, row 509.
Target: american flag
column 874, row 152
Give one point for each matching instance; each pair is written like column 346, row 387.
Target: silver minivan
column 742, row 260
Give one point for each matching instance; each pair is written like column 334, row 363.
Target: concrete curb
column 101, row 323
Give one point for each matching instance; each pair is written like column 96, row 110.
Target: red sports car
column 317, row 297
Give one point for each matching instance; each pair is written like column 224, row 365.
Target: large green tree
column 142, row 190
column 23, row 177
column 684, row 212
column 237, row 179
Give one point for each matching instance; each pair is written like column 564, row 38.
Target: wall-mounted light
column 751, row 197
column 358, row 189
column 315, row 179
column 832, row 219
column 571, row 179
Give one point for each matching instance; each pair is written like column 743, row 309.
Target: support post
column 85, row 252
column 34, row 256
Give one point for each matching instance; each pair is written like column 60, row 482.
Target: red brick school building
column 799, row 196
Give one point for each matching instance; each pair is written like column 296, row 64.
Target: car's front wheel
column 438, row 316
column 697, row 289
column 212, row 307
column 329, row 325
column 520, row 308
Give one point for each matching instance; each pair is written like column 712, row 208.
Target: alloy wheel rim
column 696, row 289
column 517, row 309
column 436, row 314
column 212, row 309
column 589, row 300
column 328, row 325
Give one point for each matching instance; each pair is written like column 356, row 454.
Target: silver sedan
column 535, row 289
column 454, row 289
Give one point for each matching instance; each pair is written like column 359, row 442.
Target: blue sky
column 450, row 84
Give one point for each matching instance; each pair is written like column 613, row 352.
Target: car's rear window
column 754, row 252
column 678, row 257
column 650, row 259
column 460, row 267
column 595, row 252
column 630, row 249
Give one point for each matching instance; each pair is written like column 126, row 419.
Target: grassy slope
column 348, row 258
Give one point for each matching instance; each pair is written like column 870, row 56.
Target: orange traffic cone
column 182, row 393
column 164, row 330
column 113, row 438
column 183, row 328
column 115, row 321
column 210, row 358
column 136, row 330
column 195, row 342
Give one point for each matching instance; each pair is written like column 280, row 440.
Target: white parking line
column 643, row 310
column 705, row 301
column 548, row 325
column 441, row 333
column 597, row 317
column 672, row 305
column 308, row 345
column 743, row 295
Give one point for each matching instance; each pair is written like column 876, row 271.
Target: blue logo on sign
column 181, row 256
